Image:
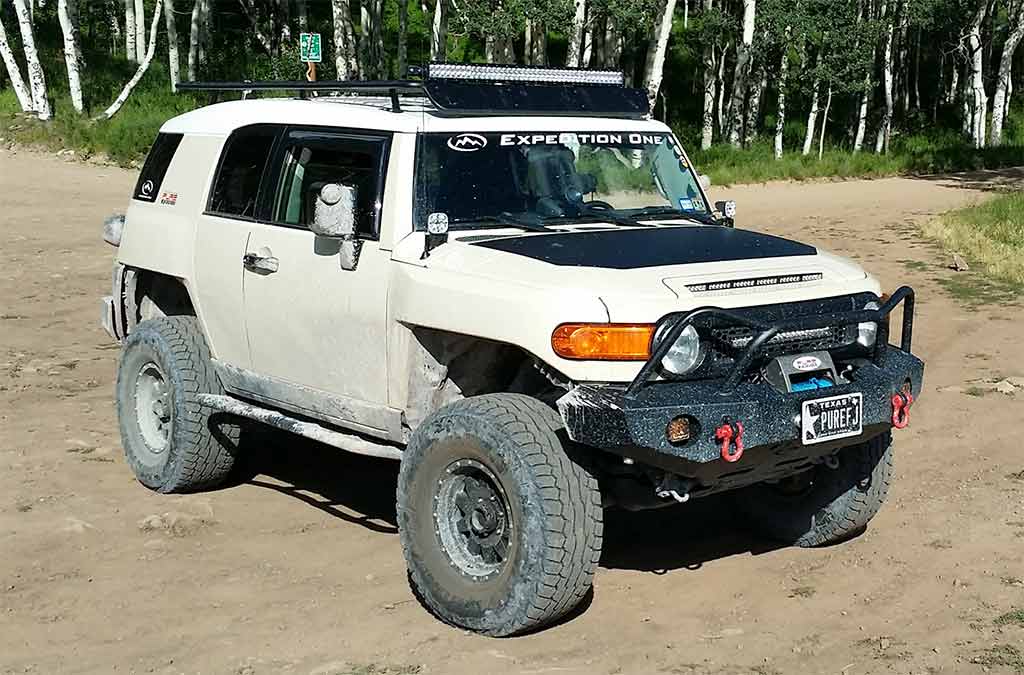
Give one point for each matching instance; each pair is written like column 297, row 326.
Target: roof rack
column 462, row 90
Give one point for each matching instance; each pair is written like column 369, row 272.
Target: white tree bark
column 130, row 52
column 707, row 127
column 741, row 73
column 780, row 106
column 344, row 40
column 439, row 32
column 812, row 114
column 1004, row 82
column 976, row 63
column 300, row 6
column 612, row 44
column 173, row 62
column 140, row 31
column 143, row 67
column 539, row 48
column 757, row 88
column 885, row 127
column 655, row 66
column 824, row 123
column 720, row 89
column 14, row 72
column 572, row 59
column 36, row 77
column 403, row 36
column 195, row 28
column 954, row 84
column 588, row 44
column 70, row 32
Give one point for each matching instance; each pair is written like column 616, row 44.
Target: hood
column 640, row 274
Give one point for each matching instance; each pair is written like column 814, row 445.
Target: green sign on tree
column 309, row 48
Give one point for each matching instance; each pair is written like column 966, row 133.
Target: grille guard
column 766, row 331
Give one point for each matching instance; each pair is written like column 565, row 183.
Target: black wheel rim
column 472, row 519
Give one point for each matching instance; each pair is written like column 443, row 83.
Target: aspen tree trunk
column 707, row 130
column 686, row 14
column 865, row 96
column 378, row 38
column 741, row 74
column 655, row 66
column 14, row 72
column 140, row 31
column 540, row 44
column 344, row 40
column 174, row 64
column 439, row 32
column 885, row 128
column 36, row 77
column 403, row 37
column 70, row 54
column 366, row 60
column 205, row 30
column 954, row 84
column 915, row 93
column 978, row 99
column 195, row 27
column 115, row 27
column 720, row 90
column 588, row 44
column 572, row 59
column 757, row 88
column 1004, row 82
column 812, row 115
column 612, row 45
column 143, row 67
column 824, row 123
column 130, row 52
column 903, row 71
column 780, row 106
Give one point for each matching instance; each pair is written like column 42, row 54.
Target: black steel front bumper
column 631, row 421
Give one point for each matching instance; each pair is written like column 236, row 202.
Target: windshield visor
column 475, row 178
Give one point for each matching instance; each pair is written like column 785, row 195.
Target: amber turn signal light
column 603, row 341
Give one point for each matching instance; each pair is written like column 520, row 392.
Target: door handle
column 260, row 263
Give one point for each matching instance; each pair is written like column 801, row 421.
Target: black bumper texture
column 603, row 416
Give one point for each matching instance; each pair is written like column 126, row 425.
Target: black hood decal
column 626, row 249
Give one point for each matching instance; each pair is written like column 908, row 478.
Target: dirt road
column 300, row 571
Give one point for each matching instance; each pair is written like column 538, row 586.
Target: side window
column 242, row 165
column 153, row 172
column 311, row 160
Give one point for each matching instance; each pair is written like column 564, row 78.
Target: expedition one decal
column 753, row 283
column 588, row 138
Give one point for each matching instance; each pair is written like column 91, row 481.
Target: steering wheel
column 598, row 204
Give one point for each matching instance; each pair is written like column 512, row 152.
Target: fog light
column 867, row 332
column 678, row 430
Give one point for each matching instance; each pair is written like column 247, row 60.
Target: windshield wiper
column 613, row 216
column 510, row 219
column 699, row 216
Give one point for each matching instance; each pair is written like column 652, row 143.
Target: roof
column 361, row 112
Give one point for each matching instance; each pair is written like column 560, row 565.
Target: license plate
column 832, row 418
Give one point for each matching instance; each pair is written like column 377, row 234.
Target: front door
column 315, row 329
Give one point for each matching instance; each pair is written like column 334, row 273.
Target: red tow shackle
column 901, row 402
column 730, row 435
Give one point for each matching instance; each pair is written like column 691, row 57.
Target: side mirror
column 705, row 181
column 334, row 216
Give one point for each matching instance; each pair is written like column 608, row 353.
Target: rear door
column 231, row 210
column 317, row 330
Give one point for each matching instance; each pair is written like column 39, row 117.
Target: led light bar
column 496, row 73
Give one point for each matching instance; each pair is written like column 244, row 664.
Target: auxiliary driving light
column 678, row 430
column 867, row 332
column 500, row 73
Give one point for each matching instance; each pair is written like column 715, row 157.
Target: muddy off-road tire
column 171, row 442
column 826, row 505
column 500, row 527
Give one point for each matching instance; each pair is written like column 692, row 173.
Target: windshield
column 476, row 178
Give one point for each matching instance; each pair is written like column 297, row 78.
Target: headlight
column 867, row 332
column 683, row 356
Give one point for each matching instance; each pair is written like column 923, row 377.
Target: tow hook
column 901, row 402
column 730, row 435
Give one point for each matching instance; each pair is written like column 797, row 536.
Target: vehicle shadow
column 353, row 488
column 677, row 537
column 986, row 180
column 361, row 490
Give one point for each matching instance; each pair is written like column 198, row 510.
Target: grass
column 1014, row 618
column 1006, row 656
column 990, row 235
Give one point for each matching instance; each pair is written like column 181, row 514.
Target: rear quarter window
column 160, row 155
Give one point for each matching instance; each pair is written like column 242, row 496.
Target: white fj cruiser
column 512, row 281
